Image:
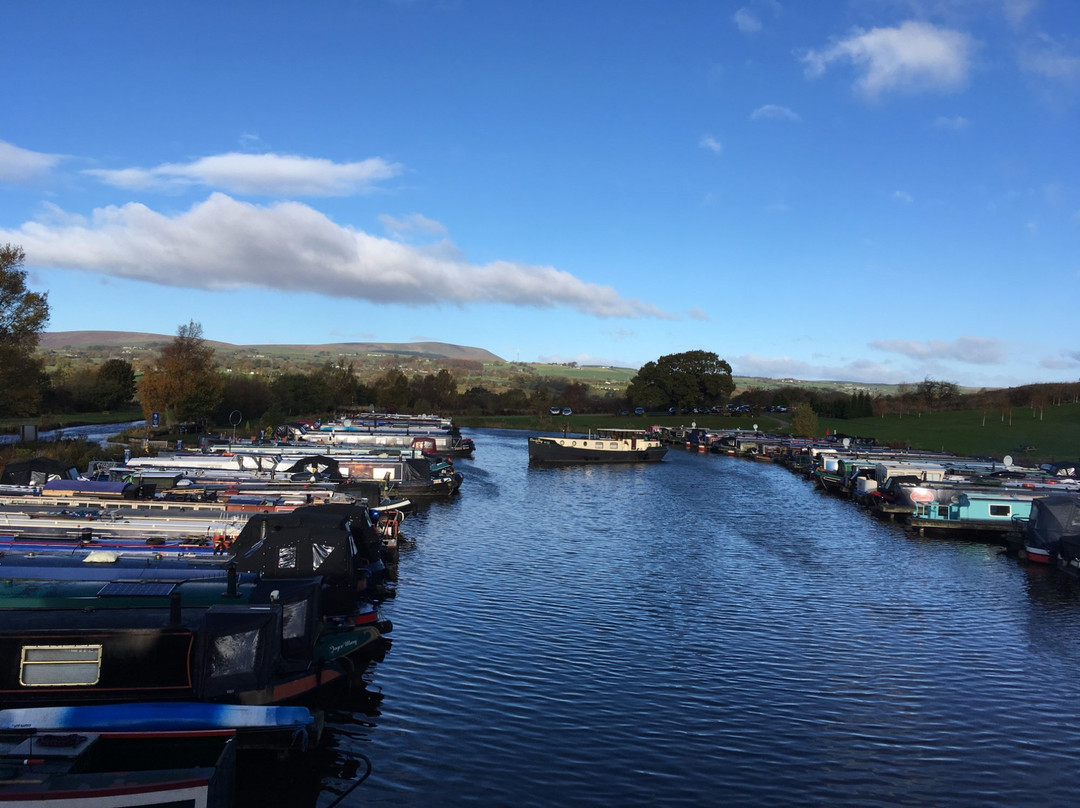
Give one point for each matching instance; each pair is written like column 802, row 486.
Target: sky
column 878, row 191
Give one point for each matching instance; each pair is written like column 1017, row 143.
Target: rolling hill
column 84, row 340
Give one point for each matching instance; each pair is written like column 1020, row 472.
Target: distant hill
column 79, row 340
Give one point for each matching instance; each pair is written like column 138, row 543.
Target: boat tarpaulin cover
column 1054, row 524
column 308, row 541
column 90, row 487
column 36, row 471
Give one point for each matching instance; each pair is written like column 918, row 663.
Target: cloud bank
column 223, row 243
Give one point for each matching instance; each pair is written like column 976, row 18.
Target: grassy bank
column 1036, row 436
column 61, row 420
column 1040, row 435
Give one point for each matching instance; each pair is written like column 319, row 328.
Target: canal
column 703, row 631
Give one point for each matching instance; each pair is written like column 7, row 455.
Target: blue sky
column 867, row 190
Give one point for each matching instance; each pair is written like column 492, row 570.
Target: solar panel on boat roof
column 137, row 589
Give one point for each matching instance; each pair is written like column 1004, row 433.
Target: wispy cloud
column 411, row 224
column 774, row 112
column 711, row 143
column 223, row 243
column 1016, row 11
column 913, row 57
column 747, row 18
column 241, row 173
column 746, row 21
column 786, row 367
column 969, row 349
column 22, row 165
column 1048, row 57
column 956, row 123
column 1064, row 361
column 903, row 196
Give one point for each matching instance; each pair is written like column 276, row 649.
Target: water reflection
column 94, row 433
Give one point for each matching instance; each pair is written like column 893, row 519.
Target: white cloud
column 698, row 313
column 22, row 165
column 971, row 350
column 774, row 112
column 746, row 21
column 711, row 143
column 956, row 123
column 903, row 196
column 914, row 57
column 236, row 172
column 223, row 243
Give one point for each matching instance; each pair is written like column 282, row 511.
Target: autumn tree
column 937, row 394
column 184, row 384
column 23, row 316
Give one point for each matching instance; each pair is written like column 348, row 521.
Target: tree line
column 184, row 384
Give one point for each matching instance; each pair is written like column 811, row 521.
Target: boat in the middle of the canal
column 605, row 446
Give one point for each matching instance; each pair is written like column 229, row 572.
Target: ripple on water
column 708, row 631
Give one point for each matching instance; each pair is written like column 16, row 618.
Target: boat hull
column 546, row 451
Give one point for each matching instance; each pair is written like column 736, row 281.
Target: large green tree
column 114, row 384
column 692, row 378
column 23, row 316
column 184, row 384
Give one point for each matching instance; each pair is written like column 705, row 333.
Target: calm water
column 703, row 631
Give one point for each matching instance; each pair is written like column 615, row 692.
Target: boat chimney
column 174, row 607
column 230, row 591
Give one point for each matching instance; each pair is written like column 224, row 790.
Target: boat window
column 613, row 445
column 1000, row 510
column 294, row 619
column 50, row 665
column 233, row 654
column 321, row 552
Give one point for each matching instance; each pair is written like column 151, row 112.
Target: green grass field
column 1039, row 436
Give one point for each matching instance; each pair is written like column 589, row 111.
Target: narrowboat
column 606, row 446
column 968, row 509
column 288, row 615
column 118, row 768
